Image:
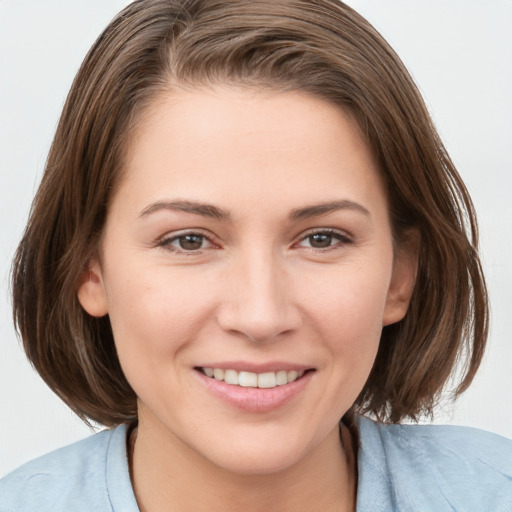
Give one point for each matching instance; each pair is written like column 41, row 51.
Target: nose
column 258, row 301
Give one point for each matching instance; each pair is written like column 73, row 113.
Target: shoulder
column 448, row 467
column 87, row 475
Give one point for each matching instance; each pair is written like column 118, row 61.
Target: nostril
column 259, row 311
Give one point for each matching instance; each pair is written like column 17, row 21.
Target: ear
column 91, row 290
column 403, row 278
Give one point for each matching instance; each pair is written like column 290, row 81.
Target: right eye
column 186, row 242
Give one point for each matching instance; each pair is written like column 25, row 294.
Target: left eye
column 322, row 240
column 187, row 242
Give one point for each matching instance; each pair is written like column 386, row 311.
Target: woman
column 248, row 230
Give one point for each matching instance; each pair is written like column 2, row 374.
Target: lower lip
column 257, row 400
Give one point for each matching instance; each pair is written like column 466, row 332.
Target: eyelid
column 165, row 241
column 344, row 237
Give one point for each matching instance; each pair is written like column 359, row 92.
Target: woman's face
column 249, row 238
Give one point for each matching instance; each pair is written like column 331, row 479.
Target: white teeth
column 292, row 375
column 248, row 379
column 231, row 377
column 282, row 377
column 265, row 380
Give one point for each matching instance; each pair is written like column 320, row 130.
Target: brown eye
column 325, row 239
column 320, row 240
column 191, row 242
column 187, row 242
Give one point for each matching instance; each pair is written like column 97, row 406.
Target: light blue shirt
column 406, row 468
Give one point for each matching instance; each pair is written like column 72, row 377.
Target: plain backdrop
column 460, row 54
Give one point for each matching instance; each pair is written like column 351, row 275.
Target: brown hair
column 318, row 46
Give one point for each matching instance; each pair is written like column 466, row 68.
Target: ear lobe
column 403, row 279
column 91, row 291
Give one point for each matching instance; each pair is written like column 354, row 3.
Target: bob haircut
column 321, row 47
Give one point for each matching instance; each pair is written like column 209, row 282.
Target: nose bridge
column 259, row 303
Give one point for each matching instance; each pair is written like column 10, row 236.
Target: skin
column 258, row 289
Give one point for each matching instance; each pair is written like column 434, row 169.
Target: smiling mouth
column 265, row 380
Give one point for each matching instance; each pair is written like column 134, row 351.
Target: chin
column 262, row 463
column 251, row 459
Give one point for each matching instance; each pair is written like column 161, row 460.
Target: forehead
column 269, row 147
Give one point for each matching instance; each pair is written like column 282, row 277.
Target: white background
column 460, row 54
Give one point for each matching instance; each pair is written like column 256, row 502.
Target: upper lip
column 246, row 366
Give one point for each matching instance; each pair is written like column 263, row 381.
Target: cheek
column 352, row 300
column 154, row 315
column 348, row 315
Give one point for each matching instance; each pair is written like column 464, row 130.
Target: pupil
column 191, row 242
column 320, row 240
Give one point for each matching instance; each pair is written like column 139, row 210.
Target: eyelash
column 166, row 242
column 343, row 239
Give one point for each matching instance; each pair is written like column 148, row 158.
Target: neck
column 169, row 476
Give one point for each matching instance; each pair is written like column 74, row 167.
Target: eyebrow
column 205, row 210
column 214, row 212
column 317, row 210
